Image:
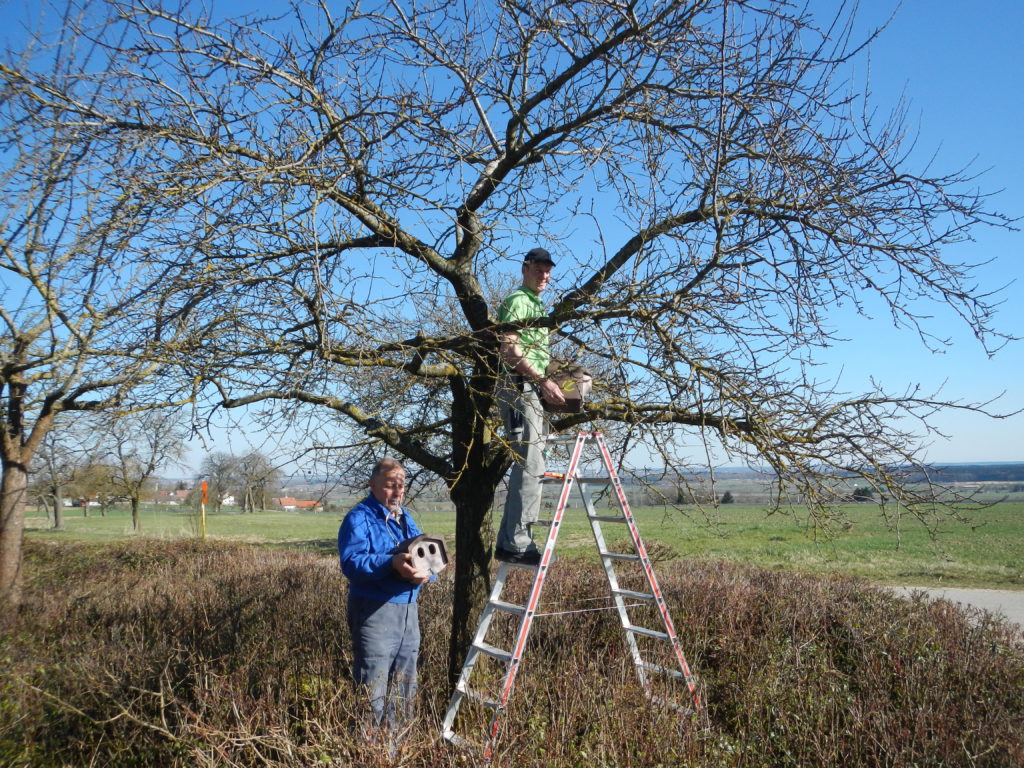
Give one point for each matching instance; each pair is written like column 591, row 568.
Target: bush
column 190, row 654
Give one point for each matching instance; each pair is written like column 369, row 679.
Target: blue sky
column 961, row 67
column 961, row 71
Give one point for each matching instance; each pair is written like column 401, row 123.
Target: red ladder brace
column 528, row 612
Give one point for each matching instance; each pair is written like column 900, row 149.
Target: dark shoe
column 517, row 558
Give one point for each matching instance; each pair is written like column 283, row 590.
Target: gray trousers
column 525, row 428
column 386, row 646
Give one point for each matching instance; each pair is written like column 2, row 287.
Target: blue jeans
column 385, row 645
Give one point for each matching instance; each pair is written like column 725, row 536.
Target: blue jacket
column 367, row 540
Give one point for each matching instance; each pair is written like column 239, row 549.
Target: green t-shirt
column 523, row 304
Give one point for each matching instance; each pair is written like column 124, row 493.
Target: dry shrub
column 193, row 654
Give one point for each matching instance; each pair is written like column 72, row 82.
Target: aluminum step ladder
column 676, row 671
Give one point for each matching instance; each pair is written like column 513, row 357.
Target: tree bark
column 472, row 569
column 13, row 493
column 58, row 510
column 472, row 492
column 136, row 520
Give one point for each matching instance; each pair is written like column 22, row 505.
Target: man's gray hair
column 383, row 467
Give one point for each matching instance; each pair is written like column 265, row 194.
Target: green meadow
column 986, row 550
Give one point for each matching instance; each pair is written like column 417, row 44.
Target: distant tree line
column 250, row 479
column 974, row 473
column 106, row 460
column 103, row 459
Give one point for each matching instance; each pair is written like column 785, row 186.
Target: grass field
column 986, row 552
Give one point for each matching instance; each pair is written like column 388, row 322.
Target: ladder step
column 492, row 651
column 557, row 478
column 609, row 518
column 620, row 556
column 632, row 594
column 671, row 705
column 667, row 671
column 565, row 439
column 457, row 741
column 531, row 566
column 479, row 698
column 501, row 605
column 647, row 632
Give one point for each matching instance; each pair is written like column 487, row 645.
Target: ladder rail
column 462, row 685
column 648, row 568
column 632, row 645
column 533, row 601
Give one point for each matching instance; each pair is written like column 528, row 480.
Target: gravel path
column 1008, row 602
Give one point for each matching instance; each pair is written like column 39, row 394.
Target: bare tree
column 221, row 471
column 67, row 467
column 54, row 475
column 258, row 474
column 81, row 306
column 354, row 192
column 136, row 446
column 94, row 482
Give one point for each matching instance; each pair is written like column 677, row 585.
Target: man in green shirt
column 525, row 355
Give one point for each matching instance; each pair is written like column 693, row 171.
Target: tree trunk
column 13, row 493
column 472, row 569
column 472, row 492
column 136, row 520
column 58, row 510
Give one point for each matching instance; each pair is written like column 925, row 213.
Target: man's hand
column 516, row 360
column 402, row 564
column 551, row 392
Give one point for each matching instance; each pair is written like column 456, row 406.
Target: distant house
column 172, row 497
column 289, row 504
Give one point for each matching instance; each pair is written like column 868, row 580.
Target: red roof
column 288, row 501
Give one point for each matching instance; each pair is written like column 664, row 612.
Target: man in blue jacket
column 383, row 585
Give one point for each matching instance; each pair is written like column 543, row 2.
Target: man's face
column 536, row 275
column 389, row 488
